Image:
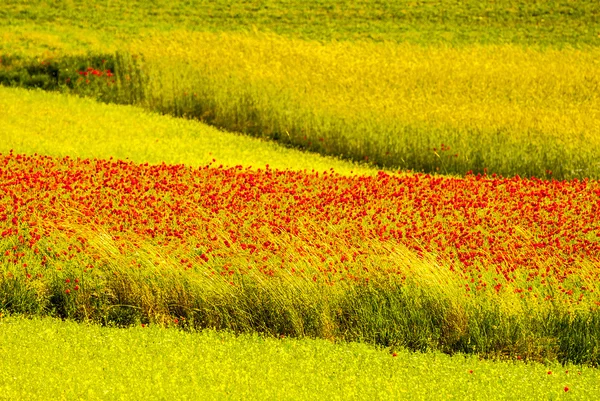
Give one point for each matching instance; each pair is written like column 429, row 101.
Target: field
column 381, row 184
column 498, row 108
column 55, row 125
column 154, row 363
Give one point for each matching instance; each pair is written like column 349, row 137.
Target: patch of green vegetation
column 44, row 359
column 500, row 109
column 61, row 125
column 540, row 22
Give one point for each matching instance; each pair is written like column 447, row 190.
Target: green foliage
column 18, row 297
column 59, row 75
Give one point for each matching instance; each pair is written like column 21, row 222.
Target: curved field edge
column 497, row 109
column 34, row 121
column 50, row 359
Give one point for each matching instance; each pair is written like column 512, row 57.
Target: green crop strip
column 545, row 22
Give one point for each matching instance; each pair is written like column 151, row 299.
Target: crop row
column 126, row 132
column 545, row 229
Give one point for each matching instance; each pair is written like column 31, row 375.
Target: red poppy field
column 501, row 266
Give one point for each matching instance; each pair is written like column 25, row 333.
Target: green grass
column 60, row 125
column 540, row 22
column 44, row 359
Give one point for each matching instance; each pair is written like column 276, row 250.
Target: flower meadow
column 299, row 200
column 485, row 264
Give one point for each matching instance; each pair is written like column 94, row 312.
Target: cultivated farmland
column 316, row 181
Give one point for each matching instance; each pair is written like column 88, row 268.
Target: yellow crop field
column 59, row 125
column 503, row 109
